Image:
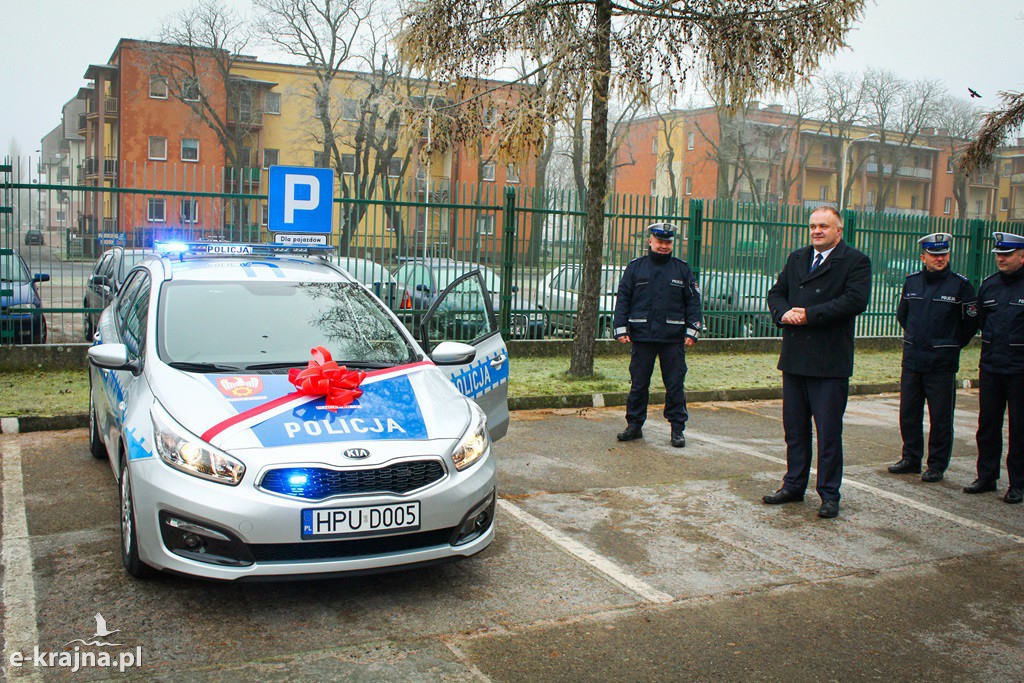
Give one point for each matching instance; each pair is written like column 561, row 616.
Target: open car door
column 463, row 313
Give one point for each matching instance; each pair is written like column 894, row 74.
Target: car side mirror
column 453, row 353
column 515, row 288
column 423, row 288
column 99, row 281
column 41, row 277
column 113, row 357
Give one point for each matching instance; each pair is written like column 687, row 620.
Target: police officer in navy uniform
column 938, row 312
column 658, row 310
column 1001, row 317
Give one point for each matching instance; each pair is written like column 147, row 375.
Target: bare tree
column 958, row 119
column 843, row 109
column 754, row 44
column 899, row 111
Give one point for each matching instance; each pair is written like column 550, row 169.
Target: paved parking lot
column 613, row 562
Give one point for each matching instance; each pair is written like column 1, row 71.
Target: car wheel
column 129, row 530
column 96, row 447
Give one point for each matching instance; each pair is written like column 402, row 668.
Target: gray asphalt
column 613, row 562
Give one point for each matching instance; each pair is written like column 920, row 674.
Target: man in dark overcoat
column 816, row 300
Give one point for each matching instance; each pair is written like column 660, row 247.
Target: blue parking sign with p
column 300, row 199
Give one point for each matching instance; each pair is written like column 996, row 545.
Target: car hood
column 243, row 411
column 23, row 293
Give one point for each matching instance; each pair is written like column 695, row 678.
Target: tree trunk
column 582, row 362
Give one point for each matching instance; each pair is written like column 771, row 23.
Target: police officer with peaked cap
column 658, row 310
column 938, row 312
column 1001, row 386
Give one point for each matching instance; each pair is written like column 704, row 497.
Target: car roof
column 248, row 268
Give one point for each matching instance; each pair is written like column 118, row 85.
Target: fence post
column 696, row 236
column 507, row 261
column 977, row 259
column 849, row 226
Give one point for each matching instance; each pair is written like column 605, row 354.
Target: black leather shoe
column 632, row 433
column 931, row 476
column 1014, row 495
column 678, row 438
column 829, row 509
column 905, row 466
column 782, row 496
column 980, row 486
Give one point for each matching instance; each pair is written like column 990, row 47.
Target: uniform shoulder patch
column 971, row 309
column 962, row 277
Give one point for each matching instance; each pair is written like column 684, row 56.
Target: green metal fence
column 529, row 242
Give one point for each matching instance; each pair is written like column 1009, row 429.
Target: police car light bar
column 192, row 249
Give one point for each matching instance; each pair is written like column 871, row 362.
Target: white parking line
column 580, row 551
column 882, row 493
column 20, row 633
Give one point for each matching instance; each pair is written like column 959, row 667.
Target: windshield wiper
column 277, row 365
column 189, row 366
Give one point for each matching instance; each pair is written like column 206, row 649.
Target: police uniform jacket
column 939, row 314
column 658, row 301
column 833, row 295
column 1001, row 317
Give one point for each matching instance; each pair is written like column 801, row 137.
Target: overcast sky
column 46, row 46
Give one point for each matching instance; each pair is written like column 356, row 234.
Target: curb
column 38, row 423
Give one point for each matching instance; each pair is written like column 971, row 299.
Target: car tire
column 96, row 447
column 88, row 328
column 129, row 529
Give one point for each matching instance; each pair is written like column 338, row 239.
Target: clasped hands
column 795, row 316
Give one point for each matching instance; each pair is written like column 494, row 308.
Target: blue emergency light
column 197, row 249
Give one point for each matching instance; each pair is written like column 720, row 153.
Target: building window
column 485, row 224
column 348, row 164
column 1004, row 203
column 272, row 103
column 689, row 186
column 319, row 161
column 189, row 149
column 823, row 193
column 189, row 211
column 488, row 171
column 190, row 89
column 158, row 148
column 949, row 167
column 654, row 187
column 269, row 158
column 913, row 201
column 654, row 145
column 490, row 116
column 947, row 205
column 871, row 199
column 60, row 216
column 349, row 110
column 512, row 174
column 689, row 140
column 157, row 87
column 394, row 167
column 1007, row 169
column 156, row 210
column 264, row 214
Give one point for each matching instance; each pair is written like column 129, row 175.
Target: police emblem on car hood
column 356, row 453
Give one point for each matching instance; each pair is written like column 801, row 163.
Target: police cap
column 663, row 231
column 1007, row 242
column 936, row 243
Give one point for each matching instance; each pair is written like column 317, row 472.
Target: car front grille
column 331, row 550
column 317, row 483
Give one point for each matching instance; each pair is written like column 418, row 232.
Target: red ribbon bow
column 323, row 377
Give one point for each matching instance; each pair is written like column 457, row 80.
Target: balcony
column 244, row 180
column 92, row 108
column 1016, row 214
column 92, row 166
column 247, row 118
column 1017, row 179
column 988, row 179
column 815, row 203
column 903, row 171
column 822, row 163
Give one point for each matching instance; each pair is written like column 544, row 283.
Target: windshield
column 449, row 275
column 247, row 324
column 12, row 269
column 129, row 258
column 610, row 281
column 367, row 272
column 752, row 285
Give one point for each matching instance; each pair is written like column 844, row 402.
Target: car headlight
column 474, row 442
column 190, row 454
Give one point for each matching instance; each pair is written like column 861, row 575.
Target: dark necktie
column 817, row 262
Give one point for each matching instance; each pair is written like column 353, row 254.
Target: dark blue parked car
column 21, row 320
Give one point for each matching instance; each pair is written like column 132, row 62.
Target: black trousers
column 824, row 400
column 939, row 390
column 997, row 394
column 672, row 358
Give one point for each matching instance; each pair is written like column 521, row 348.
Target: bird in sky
column 974, row 93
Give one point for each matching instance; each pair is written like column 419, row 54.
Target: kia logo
column 357, row 453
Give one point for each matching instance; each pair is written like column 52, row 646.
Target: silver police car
column 265, row 415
